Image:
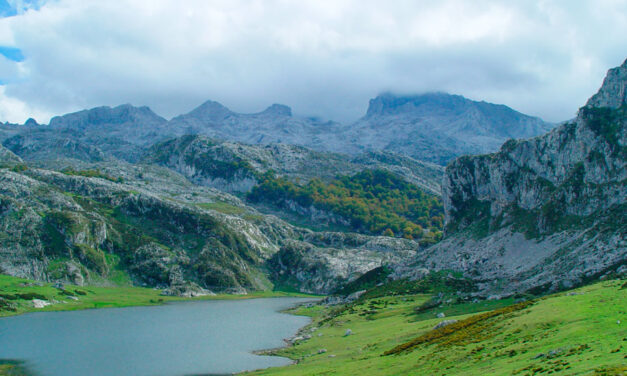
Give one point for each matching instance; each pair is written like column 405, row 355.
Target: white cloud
column 14, row 110
column 320, row 57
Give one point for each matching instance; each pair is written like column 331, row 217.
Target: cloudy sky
column 324, row 58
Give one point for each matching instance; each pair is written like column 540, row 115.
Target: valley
column 516, row 248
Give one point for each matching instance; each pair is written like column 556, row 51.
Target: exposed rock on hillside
column 147, row 225
column 237, row 167
column 7, row 156
column 437, row 127
column 548, row 211
column 276, row 124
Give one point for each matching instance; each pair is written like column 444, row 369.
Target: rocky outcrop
column 545, row 212
column 327, row 261
column 236, row 167
column 613, row 92
column 7, row 156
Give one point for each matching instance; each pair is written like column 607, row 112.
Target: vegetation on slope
column 581, row 332
column 373, row 201
column 91, row 173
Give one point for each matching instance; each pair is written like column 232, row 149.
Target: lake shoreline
column 19, row 296
column 232, row 316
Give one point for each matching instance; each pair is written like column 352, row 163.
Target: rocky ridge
column 433, row 127
column 547, row 212
column 237, row 167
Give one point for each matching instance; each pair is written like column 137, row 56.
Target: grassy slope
column 99, row 297
column 581, row 329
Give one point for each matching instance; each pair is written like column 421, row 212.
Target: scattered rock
column 440, row 315
column 444, row 323
column 331, row 356
column 322, row 351
column 348, row 332
column 354, row 296
column 72, row 297
column 38, row 303
column 59, row 285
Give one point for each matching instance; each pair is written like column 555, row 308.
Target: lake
column 187, row 338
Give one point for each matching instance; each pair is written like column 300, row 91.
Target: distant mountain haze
column 434, row 127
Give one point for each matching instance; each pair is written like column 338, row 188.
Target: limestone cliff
column 547, row 211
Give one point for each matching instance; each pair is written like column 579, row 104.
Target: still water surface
column 191, row 338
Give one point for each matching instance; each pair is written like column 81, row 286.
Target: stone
column 348, row 332
column 440, row 315
column 444, row 323
column 39, row 303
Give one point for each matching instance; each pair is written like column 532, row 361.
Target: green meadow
column 580, row 332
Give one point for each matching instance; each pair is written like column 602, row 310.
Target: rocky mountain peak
column 613, row 92
column 210, row 110
column 392, row 104
column 103, row 115
column 278, row 110
column 31, row 122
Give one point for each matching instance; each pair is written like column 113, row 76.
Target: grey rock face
column 548, row 212
column 236, row 167
column 613, row 92
column 7, row 155
column 324, row 262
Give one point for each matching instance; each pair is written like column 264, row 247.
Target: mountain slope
column 119, row 223
column 546, row 212
column 237, row 167
column 122, row 132
column 437, row 127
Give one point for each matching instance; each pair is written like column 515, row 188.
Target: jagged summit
column 278, row 110
column 30, row 122
column 209, row 110
column 613, row 92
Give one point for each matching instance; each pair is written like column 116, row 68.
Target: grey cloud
column 320, row 58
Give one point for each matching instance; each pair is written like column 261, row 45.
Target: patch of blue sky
column 12, row 53
column 6, row 9
column 10, row 8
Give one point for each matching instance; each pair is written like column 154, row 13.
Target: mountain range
column 123, row 196
column 433, row 127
